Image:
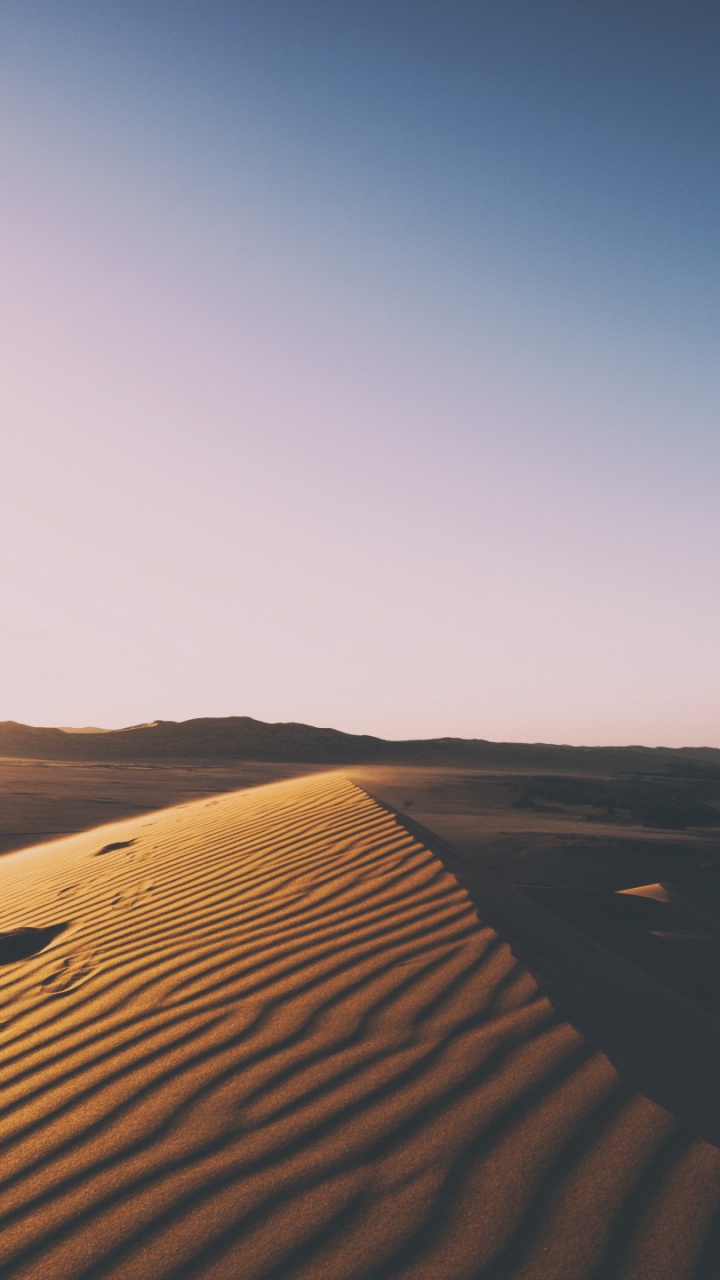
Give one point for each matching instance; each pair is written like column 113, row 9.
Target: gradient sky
column 360, row 365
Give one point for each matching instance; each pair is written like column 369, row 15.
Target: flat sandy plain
column 266, row 1034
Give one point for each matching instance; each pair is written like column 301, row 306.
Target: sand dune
column 43, row 800
column 266, row 1036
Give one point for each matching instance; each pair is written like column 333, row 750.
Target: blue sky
column 360, row 366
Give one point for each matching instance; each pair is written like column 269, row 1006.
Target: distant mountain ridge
column 243, row 738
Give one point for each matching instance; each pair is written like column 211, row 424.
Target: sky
column 359, row 366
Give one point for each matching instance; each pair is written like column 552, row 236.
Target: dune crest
column 273, row 1040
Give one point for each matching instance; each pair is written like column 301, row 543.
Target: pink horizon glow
column 277, row 451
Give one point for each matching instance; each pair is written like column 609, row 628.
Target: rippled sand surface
column 273, row 1039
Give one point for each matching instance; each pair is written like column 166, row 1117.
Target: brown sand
column 43, row 799
column 273, row 1040
column 565, row 844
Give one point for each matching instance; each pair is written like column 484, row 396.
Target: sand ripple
column 273, row 1040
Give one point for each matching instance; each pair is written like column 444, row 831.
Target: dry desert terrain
column 270, row 1034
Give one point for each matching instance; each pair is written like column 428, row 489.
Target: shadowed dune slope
column 272, row 1039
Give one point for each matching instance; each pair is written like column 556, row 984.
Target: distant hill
column 242, row 738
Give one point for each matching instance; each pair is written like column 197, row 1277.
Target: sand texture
column 587, row 830
column 266, row 1035
column 41, row 800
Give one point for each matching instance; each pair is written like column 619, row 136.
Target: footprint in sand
column 115, row 844
column 20, row 944
column 133, row 897
column 72, row 972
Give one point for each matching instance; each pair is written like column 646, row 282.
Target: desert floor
column 43, row 799
column 265, row 1034
column 556, row 841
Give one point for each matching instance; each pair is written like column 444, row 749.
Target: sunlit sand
column 266, row 1035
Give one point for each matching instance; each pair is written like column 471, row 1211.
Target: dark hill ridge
column 242, row 738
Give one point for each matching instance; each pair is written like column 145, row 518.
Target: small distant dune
column 267, row 1037
column 88, row 728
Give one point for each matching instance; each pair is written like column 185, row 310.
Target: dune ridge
column 273, row 1039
